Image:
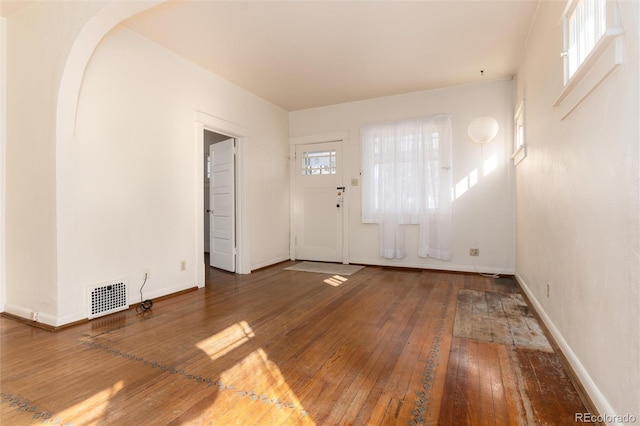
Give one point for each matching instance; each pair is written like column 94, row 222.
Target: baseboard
column 440, row 266
column 42, row 320
column 53, row 323
column 593, row 398
column 167, row 291
column 270, row 262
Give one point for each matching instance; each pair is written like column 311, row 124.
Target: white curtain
column 406, row 179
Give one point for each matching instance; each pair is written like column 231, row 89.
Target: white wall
column 483, row 216
column 69, row 224
column 3, row 131
column 578, row 214
column 129, row 193
column 39, row 37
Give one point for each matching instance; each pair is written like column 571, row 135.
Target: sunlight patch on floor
column 335, row 280
column 256, row 392
column 227, row 340
column 93, row 409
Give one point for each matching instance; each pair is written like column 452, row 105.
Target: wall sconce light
column 483, row 129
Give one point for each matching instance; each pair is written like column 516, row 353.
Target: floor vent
column 106, row 298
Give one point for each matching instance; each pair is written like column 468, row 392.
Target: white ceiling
column 304, row 54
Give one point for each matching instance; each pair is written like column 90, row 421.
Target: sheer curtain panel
column 406, row 180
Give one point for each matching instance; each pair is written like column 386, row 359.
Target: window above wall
column 590, row 54
column 585, row 24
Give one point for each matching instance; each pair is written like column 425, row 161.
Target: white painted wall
column 115, row 193
column 483, row 216
column 37, row 47
column 578, row 213
column 130, row 195
column 3, row 131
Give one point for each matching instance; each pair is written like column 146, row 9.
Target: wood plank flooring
column 497, row 317
column 279, row 347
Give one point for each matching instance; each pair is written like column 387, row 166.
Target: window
column 519, row 145
column 585, row 23
column 406, row 179
column 319, row 163
column 590, row 53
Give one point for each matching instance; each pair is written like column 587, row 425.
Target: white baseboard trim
column 71, row 318
column 162, row 292
column 23, row 312
column 599, row 400
column 59, row 321
column 270, row 262
column 444, row 266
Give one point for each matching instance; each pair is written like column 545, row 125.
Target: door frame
column 205, row 121
column 342, row 137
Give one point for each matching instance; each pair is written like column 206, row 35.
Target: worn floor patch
column 498, row 318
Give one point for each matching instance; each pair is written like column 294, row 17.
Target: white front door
column 318, row 202
column 222, row 230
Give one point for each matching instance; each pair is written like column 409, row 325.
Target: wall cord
column 145, row 305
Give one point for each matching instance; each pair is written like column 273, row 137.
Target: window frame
column 577, row 7
column 602, row 59
column 519, row 134
column 308, row 168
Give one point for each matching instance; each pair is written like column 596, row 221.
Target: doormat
column 325, row 268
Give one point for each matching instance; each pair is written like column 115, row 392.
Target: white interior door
column 318, row 202
column 222, row 232
column 207, row 217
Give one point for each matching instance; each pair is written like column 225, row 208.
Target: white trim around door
column 204, row 121
column 343, row 138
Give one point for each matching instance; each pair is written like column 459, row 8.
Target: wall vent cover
column 106, row 298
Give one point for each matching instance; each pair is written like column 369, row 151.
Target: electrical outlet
column 474, row 252
column 146, row 274
column 183, row 265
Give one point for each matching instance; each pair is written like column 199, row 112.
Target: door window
column 319, row 163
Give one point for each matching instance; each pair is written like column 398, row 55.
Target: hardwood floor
column 280, row 347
